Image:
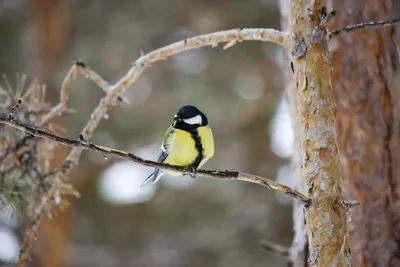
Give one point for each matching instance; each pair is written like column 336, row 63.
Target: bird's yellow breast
column 183, row 151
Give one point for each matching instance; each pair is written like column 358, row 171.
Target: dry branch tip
column 349, row 204
column 80, row 63
column 278, row 249
column 13, row 110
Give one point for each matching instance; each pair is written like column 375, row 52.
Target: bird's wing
column 166, row 144
column 164, row 151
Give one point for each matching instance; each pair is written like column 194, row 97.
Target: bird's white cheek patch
column 195, row 120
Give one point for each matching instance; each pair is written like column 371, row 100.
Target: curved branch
column 214, row 174
column 213, row 39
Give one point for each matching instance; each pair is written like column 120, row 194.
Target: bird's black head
column 189, row 118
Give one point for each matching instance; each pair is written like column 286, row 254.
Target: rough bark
column 299, row 247
column 326, row 217
column 364, row 81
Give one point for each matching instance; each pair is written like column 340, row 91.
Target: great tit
column 188, row 142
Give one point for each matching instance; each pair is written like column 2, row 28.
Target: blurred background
column 179, row 221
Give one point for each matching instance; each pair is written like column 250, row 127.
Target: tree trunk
column 50, row 21
column 319, row 168
column 299, row 249
column 364, row 81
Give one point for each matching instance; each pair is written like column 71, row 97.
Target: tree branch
column 214, row 174
column 364, row 25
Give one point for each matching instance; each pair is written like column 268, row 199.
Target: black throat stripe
column 199, row 147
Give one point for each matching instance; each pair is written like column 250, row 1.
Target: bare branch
column 225, row 175
column 365, row 25
column 64, row 95
column 278, row 249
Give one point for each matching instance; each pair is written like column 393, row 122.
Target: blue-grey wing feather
column 164, row 151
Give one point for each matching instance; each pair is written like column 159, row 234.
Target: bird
column 188, row 142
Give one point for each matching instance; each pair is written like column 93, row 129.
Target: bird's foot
column 192, row 169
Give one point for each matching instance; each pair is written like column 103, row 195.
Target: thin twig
column 364, row 25
column 278, row 249
column 224, row 175
column 115, row 91
column 14, row 109
column 349, row 204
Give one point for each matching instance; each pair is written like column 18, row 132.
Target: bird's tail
column 152, row 178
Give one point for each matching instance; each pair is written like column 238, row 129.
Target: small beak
column 177, row 118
